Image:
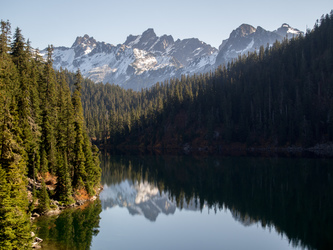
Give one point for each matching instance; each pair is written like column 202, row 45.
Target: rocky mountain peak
column 286, row 29
column 246, row 39
column 83, row 45
column 239, row 37
column 148, row 34
column 242, row 31
column 260, row 30
column 130, row 39
column 86, row 40
column 142, row 42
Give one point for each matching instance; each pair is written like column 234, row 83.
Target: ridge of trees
column 42, row 133
column 279, row 96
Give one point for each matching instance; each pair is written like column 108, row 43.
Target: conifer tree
column 44, row 199
column 64, row 184
column 33, row 114
column 18, row 49
column 5, row 38
column 65, row 139
column 26, row 97
column 47, row 92
column 79, row 174
column 93, row 171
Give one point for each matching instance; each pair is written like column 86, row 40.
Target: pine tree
column 43, row 199
column 48, row 115
column 5, row 38
column 26, row 96
column 64, row 184
column 33, row 114
column 18, row 49
column 65, row 140
column 93, row 171
column 79, row 174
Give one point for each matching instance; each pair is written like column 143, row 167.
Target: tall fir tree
column 79, row 173
column 65, row 139
column 47, row 92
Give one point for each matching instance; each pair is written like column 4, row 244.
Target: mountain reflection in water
column 293, row 196
column 139, row 198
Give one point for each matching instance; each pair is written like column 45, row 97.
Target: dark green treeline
column 280, row 95
column 42, row 132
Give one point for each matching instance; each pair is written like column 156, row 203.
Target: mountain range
column 146, row 59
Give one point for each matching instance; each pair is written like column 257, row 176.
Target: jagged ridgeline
column 144, row 59
column 279, row 95
column 43, row 138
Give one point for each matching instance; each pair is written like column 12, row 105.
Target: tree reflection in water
column 292, row 195
column 72, row 229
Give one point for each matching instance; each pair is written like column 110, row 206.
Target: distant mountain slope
column 146, row 59
column 246, row 39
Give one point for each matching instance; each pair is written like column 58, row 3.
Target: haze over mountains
column 146, row 59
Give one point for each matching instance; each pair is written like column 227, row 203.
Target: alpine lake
column 201, row 202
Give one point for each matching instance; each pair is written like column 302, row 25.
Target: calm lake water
column 185, row 202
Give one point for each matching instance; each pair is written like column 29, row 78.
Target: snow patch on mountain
column 246, row 39
column 248, row 47
column 146, row 59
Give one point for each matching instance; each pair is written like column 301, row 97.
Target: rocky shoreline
column 55, row 206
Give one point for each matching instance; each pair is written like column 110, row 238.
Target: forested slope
column 279, row 96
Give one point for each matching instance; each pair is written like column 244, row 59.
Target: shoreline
column 56, row 209
column 323, row 150
column 55, row 206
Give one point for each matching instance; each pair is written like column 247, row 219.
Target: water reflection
column 72, row 229
column 290, row 196
column 293, row 196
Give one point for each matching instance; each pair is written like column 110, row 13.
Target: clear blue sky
column 60, row 22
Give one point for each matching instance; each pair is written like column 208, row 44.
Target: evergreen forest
column 43, row 139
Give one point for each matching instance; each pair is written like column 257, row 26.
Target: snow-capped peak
column 84, row 41
column 286, row 29
column 146, row 59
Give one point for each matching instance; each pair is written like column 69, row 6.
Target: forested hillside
column 279, row 96
column 42, row 137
